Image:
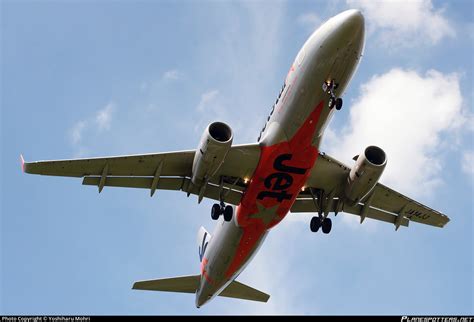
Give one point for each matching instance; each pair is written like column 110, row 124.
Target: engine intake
column 365, row 174
column 220, row 132
column 375, row 155
column 214, row 145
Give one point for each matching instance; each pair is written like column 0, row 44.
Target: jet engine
column 211, row 152
column 365, row 174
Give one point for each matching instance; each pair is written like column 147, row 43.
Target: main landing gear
column 221, row 209
column 320, row 222
column 329, row 87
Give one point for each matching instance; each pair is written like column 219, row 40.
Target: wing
column 174, row 164
column 382, row 204
column 167, row 171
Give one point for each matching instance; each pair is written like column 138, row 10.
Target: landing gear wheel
column 228, row 211
column 315, row 224
column 215, row 211
column 331, row 103
column 338, row 103
column 326, row 225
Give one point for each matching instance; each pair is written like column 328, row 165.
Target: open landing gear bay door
column 382, row 203
column 165, row 171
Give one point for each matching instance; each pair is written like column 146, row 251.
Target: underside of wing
column 394, row 202
column 325, row 192
column 336, row 205
column 173, row 164
column 158, row 171
column 230, row 192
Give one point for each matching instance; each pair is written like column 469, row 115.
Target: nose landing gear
column 329, row 87
column 221, row 209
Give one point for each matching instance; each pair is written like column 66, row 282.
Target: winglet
column 22, row 163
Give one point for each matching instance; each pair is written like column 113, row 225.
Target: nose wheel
column 329, row 87
column 221, row 209
column 319, row 222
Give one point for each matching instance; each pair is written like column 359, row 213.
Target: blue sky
column 96, row 78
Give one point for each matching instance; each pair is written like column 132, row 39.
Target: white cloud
column 76, row 131
column 265, row 36
column 405, row 22
column 243, row 80
column 310, row 20
column 210, row 109
column 208, row 100
column 104, row 117
column 172, row 75
column 82, row 130
column 408, row 115
column 467, row 163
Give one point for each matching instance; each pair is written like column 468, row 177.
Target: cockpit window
column 300, row 57
column 271, row 112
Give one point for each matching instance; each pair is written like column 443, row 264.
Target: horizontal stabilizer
column 189, row 284
column 241, row 291
column 183, row 284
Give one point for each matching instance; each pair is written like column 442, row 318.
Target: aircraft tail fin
column 203, row 239
column 190, row 283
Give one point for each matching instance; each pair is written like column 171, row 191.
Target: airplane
column 256, row 185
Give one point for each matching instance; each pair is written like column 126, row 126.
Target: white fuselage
column 289, row 147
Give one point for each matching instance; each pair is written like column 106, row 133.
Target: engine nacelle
column 211, row 152
column 365, row 174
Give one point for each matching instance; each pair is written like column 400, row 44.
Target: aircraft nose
column 354, row 19
column 349, row 29
column 351, row 22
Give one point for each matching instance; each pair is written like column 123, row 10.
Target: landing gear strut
column 329, row 87
column 221, row 209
